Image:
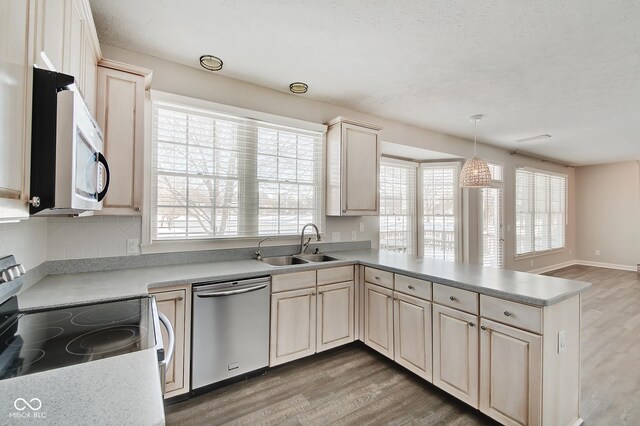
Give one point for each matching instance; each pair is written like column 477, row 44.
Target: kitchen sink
column 316, row 257
column 283, row 260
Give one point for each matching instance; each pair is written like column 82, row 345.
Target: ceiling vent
column 534, row 138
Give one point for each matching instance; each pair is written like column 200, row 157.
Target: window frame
column 537, row 253
column 498, row 184
column 151, row 245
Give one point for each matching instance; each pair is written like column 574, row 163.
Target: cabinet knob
column 137, row 208
column 377, row 278
column 180, row 299
column 34, row 201
column 313, row 293
column 507, row 313
column 411, row 287
column 453, row 299
column 344, row 211
column 483, row 328
column 471, row 324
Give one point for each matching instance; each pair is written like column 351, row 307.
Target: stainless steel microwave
column 69, row 172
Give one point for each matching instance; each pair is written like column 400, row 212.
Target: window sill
column 539, row 253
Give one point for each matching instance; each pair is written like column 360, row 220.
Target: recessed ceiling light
column 211, row 63
column 298, row 88
column 534, row 138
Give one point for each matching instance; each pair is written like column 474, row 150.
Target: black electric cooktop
column 31, row 342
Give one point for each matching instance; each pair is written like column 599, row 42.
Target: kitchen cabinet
column 353, row 168
column 175, row 304
column 335, row 314
column 510, row 374
column 74, row 41
column 412, row 334
column 15, row 106
column 121, row 101
column 293, row 325
column 455, row 353
column 378, row 318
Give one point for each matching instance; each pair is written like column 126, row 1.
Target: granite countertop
column 125, row 389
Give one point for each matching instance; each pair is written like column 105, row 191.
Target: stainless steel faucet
column 303, row 245
column 257, row 252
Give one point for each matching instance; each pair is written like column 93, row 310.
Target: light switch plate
column 354, row 235
column 361, row 226
column 562, row 342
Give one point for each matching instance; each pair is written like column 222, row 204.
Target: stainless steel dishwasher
column 230, row 330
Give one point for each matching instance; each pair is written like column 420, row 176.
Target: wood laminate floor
column 354, row 385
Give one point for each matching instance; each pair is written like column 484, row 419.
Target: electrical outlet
column 335, row 237
column 361, row 226
column 133, row 246
column 532, row 263
column 354, row 235
column 597, row 252
column 562, row 342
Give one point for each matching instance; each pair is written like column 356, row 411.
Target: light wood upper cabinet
column 293, row 325
column 335, row 326
column 378, row 318
column 353, row 166
column 510, row 374
column 49, row 31
column 412, row 334
column 120, row 113
column 15, row 105
column 455, row 353
column 74, row 40
column 175, row 304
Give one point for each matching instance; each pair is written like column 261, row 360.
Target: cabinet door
column 293, row 325
column 176, row 306
column 90, row 73
column 361, row 156
column 412, row 334
column 378, row 319
column 120, row 114
column 14, row 90
column 510, row 374
column 49, row 34
column 74, row 36
column 335, row 315
column 455, row 353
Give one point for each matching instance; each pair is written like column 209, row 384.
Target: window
column 223, row 176
column 440, row 210
column 397, row 205
column 491, row 217
column 541, row 200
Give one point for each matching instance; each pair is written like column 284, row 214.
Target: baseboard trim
column 553, row 267
column 607, row 265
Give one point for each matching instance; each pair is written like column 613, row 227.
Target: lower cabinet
column 336, row 303
column 510, row 374
column 293, row 325
column 175, row 304
column 412, row 334
column 455, row 353
column 378, row 318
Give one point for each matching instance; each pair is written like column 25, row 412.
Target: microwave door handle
column 103, row 161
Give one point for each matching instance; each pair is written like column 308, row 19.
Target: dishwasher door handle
column 223, row 293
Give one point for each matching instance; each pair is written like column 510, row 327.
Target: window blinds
column 221, row 176
column 541, row 200
column 397, row 205
column 492, row 216
column 440, row 210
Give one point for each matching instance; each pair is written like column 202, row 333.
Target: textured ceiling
column 567, row 68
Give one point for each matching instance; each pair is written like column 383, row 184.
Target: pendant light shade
column 475, row 173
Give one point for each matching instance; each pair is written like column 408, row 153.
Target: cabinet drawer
column 376, row 276
column 294, row 281
column 463, row 300
column 413, row 286
column 335, row 275
column 512, row 313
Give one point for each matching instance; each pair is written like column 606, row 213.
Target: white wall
column 609, row 213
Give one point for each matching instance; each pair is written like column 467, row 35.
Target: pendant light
column 475, row 173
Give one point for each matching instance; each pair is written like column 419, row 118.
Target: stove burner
column 25, row 357
column 105, row 340
column 35, row 335
column 46, row 318
column 107, row 314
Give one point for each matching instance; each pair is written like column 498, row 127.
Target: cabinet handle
column 471, row 324
column 376, row 277
column 453, row 299
column 411, row 287
column 180, row 299
column 507, row 313
column 313, row 293
column 483, row 328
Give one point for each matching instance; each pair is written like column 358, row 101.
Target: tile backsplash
column 26, row 240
